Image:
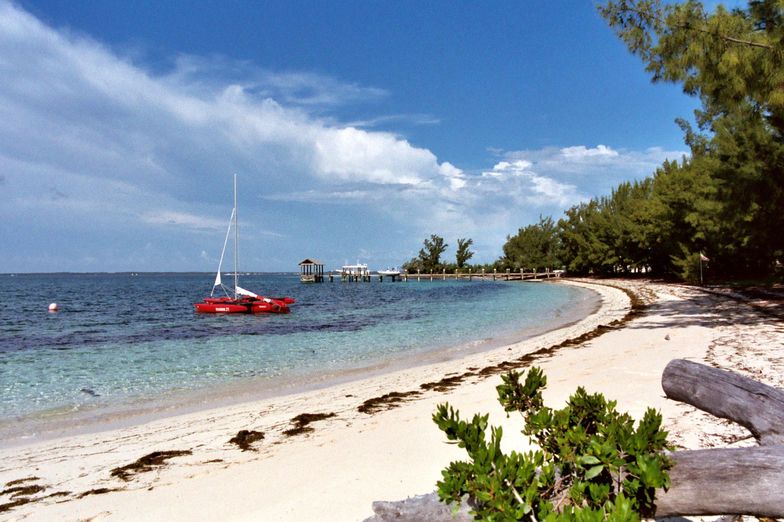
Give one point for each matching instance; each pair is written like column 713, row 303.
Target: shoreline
column 85, row 473
column 89, row 419
column 391, row 450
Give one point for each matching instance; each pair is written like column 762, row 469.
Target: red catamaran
column 239, row 301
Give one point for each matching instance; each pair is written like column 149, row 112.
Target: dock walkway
column 443, row 276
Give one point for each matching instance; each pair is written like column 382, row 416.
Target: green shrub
column 592, row 464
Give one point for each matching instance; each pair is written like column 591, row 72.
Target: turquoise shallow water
column 120, row 341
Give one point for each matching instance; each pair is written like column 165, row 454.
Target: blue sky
column 357, row 128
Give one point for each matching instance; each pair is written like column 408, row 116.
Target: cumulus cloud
column 518, row 181
column 102, row 157
column 350, row 154
column 133, row 149
column 583, row 153
column 602, row 159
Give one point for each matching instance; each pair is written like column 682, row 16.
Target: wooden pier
column 468, row 275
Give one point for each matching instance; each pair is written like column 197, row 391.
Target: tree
column 430, row 255
column 726, row 57
column 463, row 254
column 413, row 266
column 734, row 62
column 534, row 246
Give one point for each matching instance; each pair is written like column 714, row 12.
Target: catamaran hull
column 251, row 305
column 224, row 308
column 215, row 306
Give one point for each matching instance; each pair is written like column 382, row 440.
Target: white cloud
column 582, row 153
column 518, row 181
column 595, row 161
column 98, row 153
column 183, row 219
column 292, row 88
column 411, row 119
column 350, row 154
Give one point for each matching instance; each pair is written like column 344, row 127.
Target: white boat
column 358, row 270
column 389, row 272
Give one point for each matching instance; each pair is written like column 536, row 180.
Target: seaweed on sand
column 244, row 439
column 20, row 481
column 386, row 401
column 146, row 463
column 447, row 383
column 18, row 494
column 98, row 491
column 58, row 494
column 23, row 491
column 14, row 503
column 302, row 420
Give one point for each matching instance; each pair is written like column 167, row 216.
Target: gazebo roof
column 309, row 261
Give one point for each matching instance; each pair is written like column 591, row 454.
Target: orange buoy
column 53, row 307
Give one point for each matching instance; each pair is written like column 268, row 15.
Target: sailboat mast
column 236, row 238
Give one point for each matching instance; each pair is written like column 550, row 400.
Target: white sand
column 352, row 459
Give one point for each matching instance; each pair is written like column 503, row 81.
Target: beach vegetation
column 592, row 463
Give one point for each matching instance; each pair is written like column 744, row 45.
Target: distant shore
column 372, row 439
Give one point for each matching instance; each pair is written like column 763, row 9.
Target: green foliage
column 727, row 58
column 430, row 255
column 429, row 258
column 412, row 266
column 726, row 199
column 592, row 464
column 534, row 246
column 463, row 253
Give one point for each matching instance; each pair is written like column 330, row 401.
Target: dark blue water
column 121, row 338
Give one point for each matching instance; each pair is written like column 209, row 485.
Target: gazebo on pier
column 311, row 271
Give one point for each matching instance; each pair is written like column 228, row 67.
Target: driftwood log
column 720, row 481
column 755, row 406
column 726, row 481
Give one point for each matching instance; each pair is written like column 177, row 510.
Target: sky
column 356, row 128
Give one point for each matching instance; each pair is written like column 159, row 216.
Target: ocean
column 126, row 345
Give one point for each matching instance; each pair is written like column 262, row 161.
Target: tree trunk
column 725, row 481
column 753, row 405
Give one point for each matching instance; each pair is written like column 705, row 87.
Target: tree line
column 429, row 258
column 724, row 204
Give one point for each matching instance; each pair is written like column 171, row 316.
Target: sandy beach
column 373, row 439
